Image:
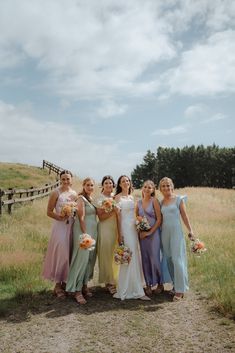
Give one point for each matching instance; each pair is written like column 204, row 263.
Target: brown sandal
column 86, row 292
column 111, row 288
column 80, row 298
column 159, row 289
column 148, row 291
column 177, row 297
column 59, row 292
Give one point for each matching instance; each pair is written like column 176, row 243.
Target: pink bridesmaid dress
column 56, row 264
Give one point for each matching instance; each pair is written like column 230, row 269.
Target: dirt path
column 107, row 325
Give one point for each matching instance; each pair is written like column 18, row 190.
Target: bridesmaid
column 56, row 265
column 150, row 241
column 83, row 260
column 107, row 237
column 173, row 242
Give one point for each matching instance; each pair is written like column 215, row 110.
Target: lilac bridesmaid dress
column 150, row 248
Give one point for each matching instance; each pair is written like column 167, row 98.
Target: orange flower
column 86, row 242
column 200, row 245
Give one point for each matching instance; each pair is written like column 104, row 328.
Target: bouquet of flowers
column 122, row 255
column 86, row 242
column 69, row 210
column 108, row 205
column 142, row 223
column 198, row 247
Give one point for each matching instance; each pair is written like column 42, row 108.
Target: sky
column 92, row 85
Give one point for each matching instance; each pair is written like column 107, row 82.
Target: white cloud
column 180, row 129
column 206, row 69
column 202, row 114
column 31, row 141
column 195, row 111
column 216, row 117
column 213, row 15
column 91, row 49
column 110, row 108
column 88, row 49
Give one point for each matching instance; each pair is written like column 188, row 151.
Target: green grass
column 23, row 176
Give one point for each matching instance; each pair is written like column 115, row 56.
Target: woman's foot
column 111, row 288
column 59, row 291
column 159, row 289
column 172, row 291
column 80, row 298
column 148, row 291
column 178, row 296
column 86, row 292
column 145, row 298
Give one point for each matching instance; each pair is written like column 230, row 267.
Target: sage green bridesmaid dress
column 83, row 260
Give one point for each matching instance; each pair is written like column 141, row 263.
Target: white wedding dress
column 130, row 281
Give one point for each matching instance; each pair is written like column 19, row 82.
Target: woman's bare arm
column 81, row 214
column 185, row 218
column 51, row 207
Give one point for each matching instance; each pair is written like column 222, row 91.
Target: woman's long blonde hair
column 83, row 192
column 153, row 186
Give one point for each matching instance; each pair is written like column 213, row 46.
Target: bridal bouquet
column 198, row 247
column 142, row 224
column 69, row 210
column 122, row 255
column 107, row 205
column 86, row 242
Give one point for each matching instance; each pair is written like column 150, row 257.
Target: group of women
column 158, row 254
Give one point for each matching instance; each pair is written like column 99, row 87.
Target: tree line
column 188, row 166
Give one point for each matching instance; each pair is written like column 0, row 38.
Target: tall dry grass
column 24, row 238
column 212, row 213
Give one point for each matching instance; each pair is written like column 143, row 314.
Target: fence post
column 1, row 201
column 43, row 164
column 233, row 178
column 10, row 197
column 31, row 193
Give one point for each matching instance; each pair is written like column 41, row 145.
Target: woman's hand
column 61, row 218
column 120, row 239
column 116, row 209
column 191, row 236
column 143, row 234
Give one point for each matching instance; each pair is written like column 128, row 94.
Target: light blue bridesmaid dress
column 173, row 243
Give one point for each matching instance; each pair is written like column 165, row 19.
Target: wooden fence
column 7, row 197
column 52, row 167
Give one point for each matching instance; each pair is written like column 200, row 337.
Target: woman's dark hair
column 106, row 177
column 66, row 172
column 118, row 187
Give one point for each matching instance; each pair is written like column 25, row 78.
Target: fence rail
column 52, row 167
column 7, row 197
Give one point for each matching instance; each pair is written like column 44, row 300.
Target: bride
column 130, row 279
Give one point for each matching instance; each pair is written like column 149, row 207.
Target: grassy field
column 23, row 176
column 24, row 238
